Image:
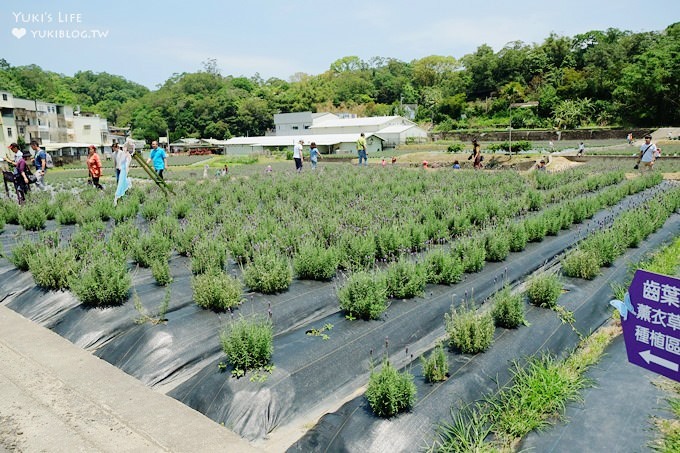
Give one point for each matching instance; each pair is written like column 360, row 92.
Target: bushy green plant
column 218, row 291
column 472, row 254
column 149, row 248
column 248, row 343
column 53, row 268
column 315, row 262
column 21, row 252
column 104, row 208
column 389, row 243
column 442, row 268
column 268, row 273
column 68, row 213
column 208, row 255
column 536, row 228
column 153, row 208
column 508, row 309
column 390, row 392
column 581, row 264
column 32, row 217
column 455, row 148
column 83, row 239
column 469, row 332
column 534, row 200
column 518, row 237
column 165, row 225
column 497, row 245
column 543, row 290
column 125, row 235
column 180, row 207
column 126, row 209
column 186, row 238
column 436, row 366
column 604, row 245
column 364, row 295
column 358, row 251
column 104, row 281
column 160, row 269
column 10, row 211
column 405, row 279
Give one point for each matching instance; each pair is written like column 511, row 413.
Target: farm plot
column 330, row 227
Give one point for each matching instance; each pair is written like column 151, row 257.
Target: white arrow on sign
column 647, row 356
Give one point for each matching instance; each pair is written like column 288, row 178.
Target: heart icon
column 18, row 32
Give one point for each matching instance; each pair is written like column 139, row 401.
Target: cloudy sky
column 147, row 41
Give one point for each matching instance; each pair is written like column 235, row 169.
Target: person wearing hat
column 476, row 154
column 94, row 165
column 297, row 155
column 647, row 151
column 21, row 181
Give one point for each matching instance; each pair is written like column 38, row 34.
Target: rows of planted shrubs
column 468, row 331
column 628, row 230
column 366, row 294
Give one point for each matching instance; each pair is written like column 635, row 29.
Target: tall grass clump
column 436, row 366
column 390, row 392
column 508, row 309
column 21, row 252
column 497, row 245
column 160, row 270
column 68, row 213
column 103, row 282
column 581, row 264
column 248, row 343
column 543, row 290
column 472, row 254
column 53, row 268
column 316, row 262
column 10, row 211
column 151, row 247
column 268, row 273
column 218, row 291
column 442, row 268
column 364, row 295
column 405, row 279
column 209, row 254
column 518, row 237
column 32, row 217
column 469, row 332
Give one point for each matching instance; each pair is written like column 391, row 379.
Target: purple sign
column 652, row 328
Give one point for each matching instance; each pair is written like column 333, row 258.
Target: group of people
column 16, row 169
column 298, row 154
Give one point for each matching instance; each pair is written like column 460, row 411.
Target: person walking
column 9, row 165
column 124, row 181
column 118, row 157
column 40, row 162
column 314, row 155
column 297, row 155
column 158, row 156
column 361, row 149
column 94, row 166
column 21, row 181
column 477, row 154
column 647, row 154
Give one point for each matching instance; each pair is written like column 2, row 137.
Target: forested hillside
column 599, row 78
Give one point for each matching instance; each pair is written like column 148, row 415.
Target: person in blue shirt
column 314, row 155
column 40, row 161
column 158, row 157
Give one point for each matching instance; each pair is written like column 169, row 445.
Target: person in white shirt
column 297, row 155
column 647, row 153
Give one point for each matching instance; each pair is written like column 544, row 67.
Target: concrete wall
column 537, row 136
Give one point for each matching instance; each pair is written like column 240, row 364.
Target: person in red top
column 94, row 165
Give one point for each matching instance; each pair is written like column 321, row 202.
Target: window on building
column 87, row 127
column 21, row 131
column 294, row 128
column 4, row 96
column 9, row 131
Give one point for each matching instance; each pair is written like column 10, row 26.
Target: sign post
column 651, row 330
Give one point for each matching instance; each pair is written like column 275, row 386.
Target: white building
column 395, row 130
column 326, row 143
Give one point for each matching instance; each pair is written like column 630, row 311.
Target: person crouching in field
column 94, row 165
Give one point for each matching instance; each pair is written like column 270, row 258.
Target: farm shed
column 326, row 143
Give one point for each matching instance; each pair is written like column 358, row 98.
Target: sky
column 147, row 41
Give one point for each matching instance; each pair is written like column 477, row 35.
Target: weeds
column 390, row 392
column 248, row 344
column 469, row 332
column 144, row 316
